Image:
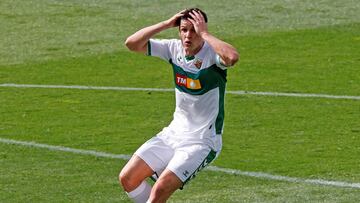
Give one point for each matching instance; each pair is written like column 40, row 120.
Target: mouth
column 187, row 43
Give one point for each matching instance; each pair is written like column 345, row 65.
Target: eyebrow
column 187, row 25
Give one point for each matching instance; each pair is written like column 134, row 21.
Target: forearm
column 138, row 41
column 227, row 52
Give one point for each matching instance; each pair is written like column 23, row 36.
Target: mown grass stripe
column 239, row 92
column 209, row 168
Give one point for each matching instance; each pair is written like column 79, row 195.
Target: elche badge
column 198, row 63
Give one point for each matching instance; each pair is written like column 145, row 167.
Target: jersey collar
column 189, row 58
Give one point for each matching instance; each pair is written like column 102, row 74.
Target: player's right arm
column 138, row 41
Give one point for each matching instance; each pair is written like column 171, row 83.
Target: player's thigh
column 156, row 153
column 189, row 160
column 166, row 185
column 134, row 172
column 136, row 167
column 151, row 157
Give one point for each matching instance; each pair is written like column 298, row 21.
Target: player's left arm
column 228, row 54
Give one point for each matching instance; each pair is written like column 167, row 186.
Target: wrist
column 204, row 34
column 166, row 24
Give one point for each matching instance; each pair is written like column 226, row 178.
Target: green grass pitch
column 285, row 46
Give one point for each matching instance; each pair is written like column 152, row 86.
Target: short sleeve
column 159, row 48
column 214, row 58
column 219, row 63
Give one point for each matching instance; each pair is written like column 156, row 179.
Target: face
column 191, row 41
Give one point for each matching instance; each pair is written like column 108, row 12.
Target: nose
column 188, row 34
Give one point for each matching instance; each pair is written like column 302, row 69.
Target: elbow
column 135, row 45
column 235, row 58
column 130, row 44
column 232, row 59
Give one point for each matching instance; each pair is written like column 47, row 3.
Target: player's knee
column 160, row 189
column 160, row 192
column 125, row 181
column 122, row 179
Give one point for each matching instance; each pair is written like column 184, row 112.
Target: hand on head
column 199, row 22
column 173, row 21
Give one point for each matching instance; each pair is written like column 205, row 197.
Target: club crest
column 198, row 63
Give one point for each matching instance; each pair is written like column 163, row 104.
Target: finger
column 192, row 21
column 201, row 17
column 178, row 15
column 198, row 16
column 183, row 11
column 194, row 17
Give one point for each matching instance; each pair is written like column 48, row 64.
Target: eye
column 183, row 29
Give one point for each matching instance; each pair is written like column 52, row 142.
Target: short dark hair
column 187, row 15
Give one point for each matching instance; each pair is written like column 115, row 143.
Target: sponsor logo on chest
column 187, row 82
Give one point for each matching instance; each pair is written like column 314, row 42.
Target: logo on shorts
column 189, row 83
column 203, row 165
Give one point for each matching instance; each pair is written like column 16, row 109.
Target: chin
column 187, row 48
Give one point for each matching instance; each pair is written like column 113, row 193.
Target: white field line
column 240, row 92
column 209, row 168
column 86, row 87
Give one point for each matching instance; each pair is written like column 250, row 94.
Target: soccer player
column 193, row 139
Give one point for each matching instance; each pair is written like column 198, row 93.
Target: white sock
column 141, row 193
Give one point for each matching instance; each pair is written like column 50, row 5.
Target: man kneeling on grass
column 193, row 138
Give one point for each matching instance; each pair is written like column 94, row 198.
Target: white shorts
column 185, row 161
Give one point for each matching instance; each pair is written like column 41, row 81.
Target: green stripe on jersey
column 189, row 58
column 210, row 78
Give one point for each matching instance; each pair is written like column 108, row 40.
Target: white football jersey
column 200, row 89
